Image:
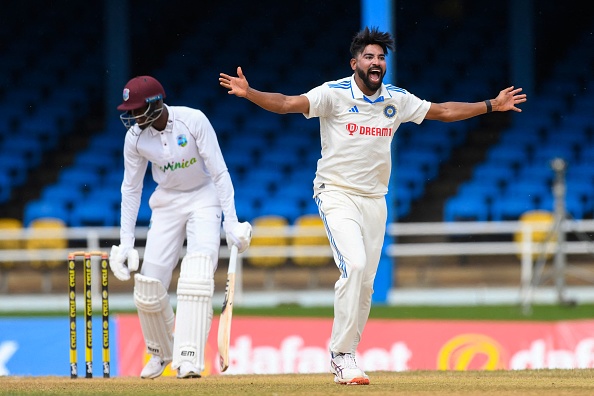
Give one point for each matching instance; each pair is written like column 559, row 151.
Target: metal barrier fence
column 93, row 238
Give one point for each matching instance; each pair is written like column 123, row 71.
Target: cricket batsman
column 194, row 194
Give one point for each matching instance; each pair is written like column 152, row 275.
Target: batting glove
column 118, row 256
column 238, row 234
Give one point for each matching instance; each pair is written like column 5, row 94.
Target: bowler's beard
column 372, row 86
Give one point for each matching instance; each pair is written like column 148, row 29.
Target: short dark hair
column 371, row 36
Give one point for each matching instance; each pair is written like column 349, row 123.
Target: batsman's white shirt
column 356, row 134
column 185, row 157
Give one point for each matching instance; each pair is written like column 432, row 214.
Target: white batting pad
column 155, row 314
column 195, row 288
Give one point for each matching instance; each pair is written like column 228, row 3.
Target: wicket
column 88, row 312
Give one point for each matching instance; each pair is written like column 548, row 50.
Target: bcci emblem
column 390, row 111
column 126, row 94
column 182, row 141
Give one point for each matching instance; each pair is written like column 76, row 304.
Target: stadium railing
column 96, row 238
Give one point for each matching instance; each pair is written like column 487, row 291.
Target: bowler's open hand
column 237, row 86
column 508, row 98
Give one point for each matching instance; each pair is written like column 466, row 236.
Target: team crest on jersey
column 126, row 94
column 390, row 111
column 182, row 141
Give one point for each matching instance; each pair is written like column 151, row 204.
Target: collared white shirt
column 357, row 132
column 185, row 156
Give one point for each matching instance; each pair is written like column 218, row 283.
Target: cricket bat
column 224, row 335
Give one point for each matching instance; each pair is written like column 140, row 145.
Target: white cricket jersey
column 185, row 156
column 356, row 134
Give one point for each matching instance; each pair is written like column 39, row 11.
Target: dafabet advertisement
column 40, row 346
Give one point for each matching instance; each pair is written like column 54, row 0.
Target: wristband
column 489, row 106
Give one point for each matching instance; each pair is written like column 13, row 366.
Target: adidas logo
column 353, row 109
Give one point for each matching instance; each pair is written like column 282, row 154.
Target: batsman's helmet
column 139, row 93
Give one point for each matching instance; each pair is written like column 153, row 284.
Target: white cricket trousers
column 356, row 227
column 176, row 216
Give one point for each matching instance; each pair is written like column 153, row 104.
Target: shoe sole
column 153, row 376
column 189, row 375
column 354, row 381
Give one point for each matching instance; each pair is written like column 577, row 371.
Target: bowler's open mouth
column 375, row 74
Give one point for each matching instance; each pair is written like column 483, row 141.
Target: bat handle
column 233, row 259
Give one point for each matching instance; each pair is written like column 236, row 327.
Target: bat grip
column 233, row 260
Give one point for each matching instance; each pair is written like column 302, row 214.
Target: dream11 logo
column 367, row 130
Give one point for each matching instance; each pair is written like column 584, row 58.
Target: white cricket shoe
column 187, row 370
column 154, row 367
column 345, row 370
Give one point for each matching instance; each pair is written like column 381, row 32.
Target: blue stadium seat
column 75, row 99
column 536, row 120
column 511, row 207
column 286, row 159
column 549, row 104
column 250, row 144
column 260, row 122
column 586, row 154
column 108, row 144
column 83, row 179
column 41, row 130
column 546, row 153
column 524, row 137
column 249, row 192
column 110, row 194
column 43, row 208
column 310, row 207
column 238, row 161
column 402, row 202
column 581, row 118
column 263, row 178
column 293, row 191
column 289, row 208
column 303, row 175
column 65, row 194
column 583, row 171
column 93, row 160
column 507, row 155
column 144, row 215
column 114, row 178
column 570, row 137
column 297, row 140
column 93, row 212
column 411, row 178
column 246, row 209
column 583, row 190
column 424, row 158
column 14, row 165
column 485, row 191
column 536, row 171
column 223, row 126
column 498, row 174
column 30, row 149
column 5, row 187
column 463, row 208
column 437, row 140
column 537, row 190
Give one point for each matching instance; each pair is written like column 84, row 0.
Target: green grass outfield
column 505, row 312
column 483, row 312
